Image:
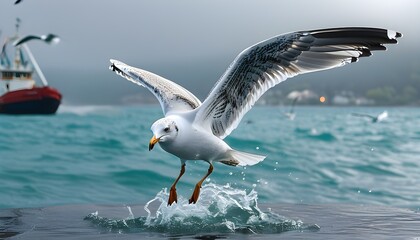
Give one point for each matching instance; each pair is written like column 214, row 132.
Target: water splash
column 220, row 209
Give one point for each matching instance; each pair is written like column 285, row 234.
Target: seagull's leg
column 172, row 193
column 196, row 192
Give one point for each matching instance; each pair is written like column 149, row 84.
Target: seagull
column 48, row 38
column 374, row 119
column 194, row 130
column 291, row 113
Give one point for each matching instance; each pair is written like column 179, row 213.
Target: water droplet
column 243, row 179
column 277, row 162
column 254, row 185
column 370, row 190
column 245, row 168
column 258, row 148
column 358, row 191
column 266, row 183
column 231, row 173
column 258, row 180
column 372, row 149
column 130, row 213
column 275, row 169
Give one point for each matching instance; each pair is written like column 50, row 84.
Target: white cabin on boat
column 15, row 76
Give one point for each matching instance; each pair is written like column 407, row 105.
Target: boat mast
column 32, row 58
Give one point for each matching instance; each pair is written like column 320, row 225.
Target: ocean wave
column 87, row 109
column 220, row 209
column 315, row 134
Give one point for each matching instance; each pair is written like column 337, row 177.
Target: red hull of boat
column 37, row 100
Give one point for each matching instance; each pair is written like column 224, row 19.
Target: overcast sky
column 190, row 42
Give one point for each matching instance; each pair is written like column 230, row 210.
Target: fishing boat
column 19, row 92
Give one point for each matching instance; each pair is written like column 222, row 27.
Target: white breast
column 195, row 144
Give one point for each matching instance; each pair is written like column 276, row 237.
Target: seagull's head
column 164, row 130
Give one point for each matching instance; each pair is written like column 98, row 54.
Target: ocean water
column 86, row 172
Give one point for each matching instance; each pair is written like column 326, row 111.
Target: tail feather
column 238, row 158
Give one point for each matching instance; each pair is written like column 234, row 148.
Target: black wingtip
column 393, row 35
column 117, row 70
column 113, row 67
column 365, row 52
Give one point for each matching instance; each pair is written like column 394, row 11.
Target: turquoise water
column 99, row 156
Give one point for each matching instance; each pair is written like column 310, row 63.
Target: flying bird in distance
column 194, row 130
column 291, row 113
column 382, row 116
column 49, row 38
column 18, row 1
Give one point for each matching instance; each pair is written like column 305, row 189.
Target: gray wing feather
column 266, row 64
column 363, row 115
column 171, row 96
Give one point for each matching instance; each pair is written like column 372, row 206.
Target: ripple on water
column 315, row 134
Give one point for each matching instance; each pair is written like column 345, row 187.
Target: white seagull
column 382, row 116
column 192, row 130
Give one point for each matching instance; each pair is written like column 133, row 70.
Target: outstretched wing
column 49, row 38
column 363, row 115
column 265, row 64
column 171, row 96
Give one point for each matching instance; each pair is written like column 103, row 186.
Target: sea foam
column 220, row 209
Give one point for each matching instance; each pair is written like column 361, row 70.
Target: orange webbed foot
column 195, row 194
column 172, row 196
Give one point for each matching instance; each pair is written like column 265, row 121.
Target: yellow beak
column 152, row 142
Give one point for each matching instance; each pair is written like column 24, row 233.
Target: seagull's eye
column 166, row 129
